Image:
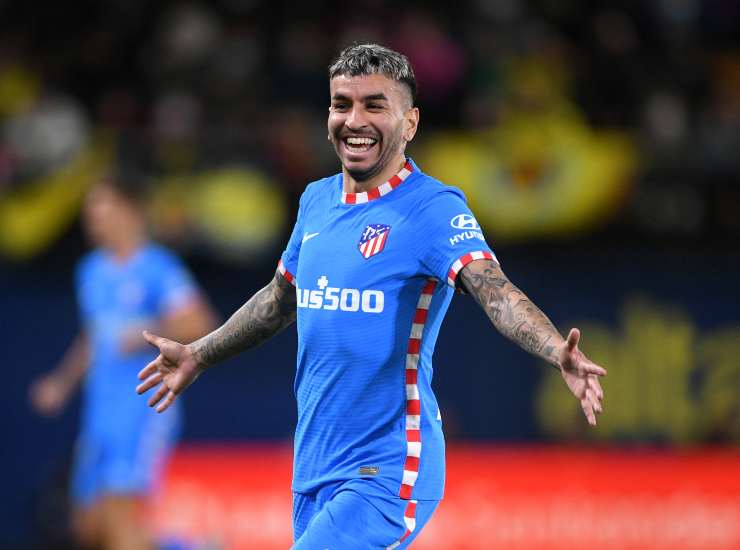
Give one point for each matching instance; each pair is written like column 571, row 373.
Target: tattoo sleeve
column 264, row 315
column 510, row 311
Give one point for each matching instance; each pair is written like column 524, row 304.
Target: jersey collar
column 379, row 191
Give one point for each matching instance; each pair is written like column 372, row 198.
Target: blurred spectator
column 213, row 85
column 438, row 60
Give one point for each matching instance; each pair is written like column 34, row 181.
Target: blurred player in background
column 126, row 284
column 369, row 272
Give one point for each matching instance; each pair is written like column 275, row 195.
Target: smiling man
column 374, row 259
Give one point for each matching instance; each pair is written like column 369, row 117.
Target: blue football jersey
column 118, row 299
column 374, row 275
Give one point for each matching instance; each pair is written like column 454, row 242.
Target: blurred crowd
column 221, row 106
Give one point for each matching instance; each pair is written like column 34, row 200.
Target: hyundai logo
column 464, row 221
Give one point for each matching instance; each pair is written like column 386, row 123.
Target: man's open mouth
column 359, row 144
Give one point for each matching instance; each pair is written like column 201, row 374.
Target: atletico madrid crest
column 373, row 239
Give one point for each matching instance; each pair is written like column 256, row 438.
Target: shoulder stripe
column 465, row 260
column 285, row 273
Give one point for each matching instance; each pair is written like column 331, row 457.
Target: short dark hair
column 129, row 183
column 366, row 59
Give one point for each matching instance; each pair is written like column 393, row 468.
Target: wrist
column 196, row 351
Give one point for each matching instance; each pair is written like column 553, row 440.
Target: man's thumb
column 153, row 339
column 573, row 337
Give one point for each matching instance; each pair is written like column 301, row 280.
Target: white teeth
column 360, row 141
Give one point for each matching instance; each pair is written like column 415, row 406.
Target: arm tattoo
column 510, row 311
column 265, row 314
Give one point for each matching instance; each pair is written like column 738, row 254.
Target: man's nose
column 355, row 119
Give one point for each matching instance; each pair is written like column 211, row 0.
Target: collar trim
column 384, row 189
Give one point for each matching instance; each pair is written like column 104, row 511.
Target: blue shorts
column 126, row 456
column 357, row 514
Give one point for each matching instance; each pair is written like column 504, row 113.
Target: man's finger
column 588, row 367
column 588, row 411
column 164, row 405
column 150, row 369
column 153, row 339
column 149, row 383
column 593, row 368
column 573, row 337
column 593, row 383
column 591, row 395
column 582, row 387
column 158, row 395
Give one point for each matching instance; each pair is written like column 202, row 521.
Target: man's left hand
column 582, row 376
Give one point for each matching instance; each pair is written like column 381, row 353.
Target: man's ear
column 411, row 123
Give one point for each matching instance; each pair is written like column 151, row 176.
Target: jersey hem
column 380, row 484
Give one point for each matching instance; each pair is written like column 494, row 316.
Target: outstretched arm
column 517, row 318
column 510, row 311
column 265, row 314
column 51, row 392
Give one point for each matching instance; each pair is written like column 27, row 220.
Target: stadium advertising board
column 496, row 498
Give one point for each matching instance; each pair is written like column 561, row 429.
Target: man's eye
column 374, row 106
column 339, row 106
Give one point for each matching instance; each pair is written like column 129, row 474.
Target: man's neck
column 127, row 246
column 353, row 186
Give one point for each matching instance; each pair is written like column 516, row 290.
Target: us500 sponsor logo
column 343, row 299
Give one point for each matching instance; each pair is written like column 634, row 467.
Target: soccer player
column 374, row 259
column 125, row 285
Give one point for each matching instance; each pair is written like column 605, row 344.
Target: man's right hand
column 174, row 370
column 49, row 394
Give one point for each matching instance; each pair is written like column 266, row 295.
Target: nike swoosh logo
column 308, row 236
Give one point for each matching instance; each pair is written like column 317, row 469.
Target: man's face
column 106, row 214
column 370, row 121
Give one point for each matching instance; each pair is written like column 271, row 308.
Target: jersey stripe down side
column 413, row 402
column 409, row 518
